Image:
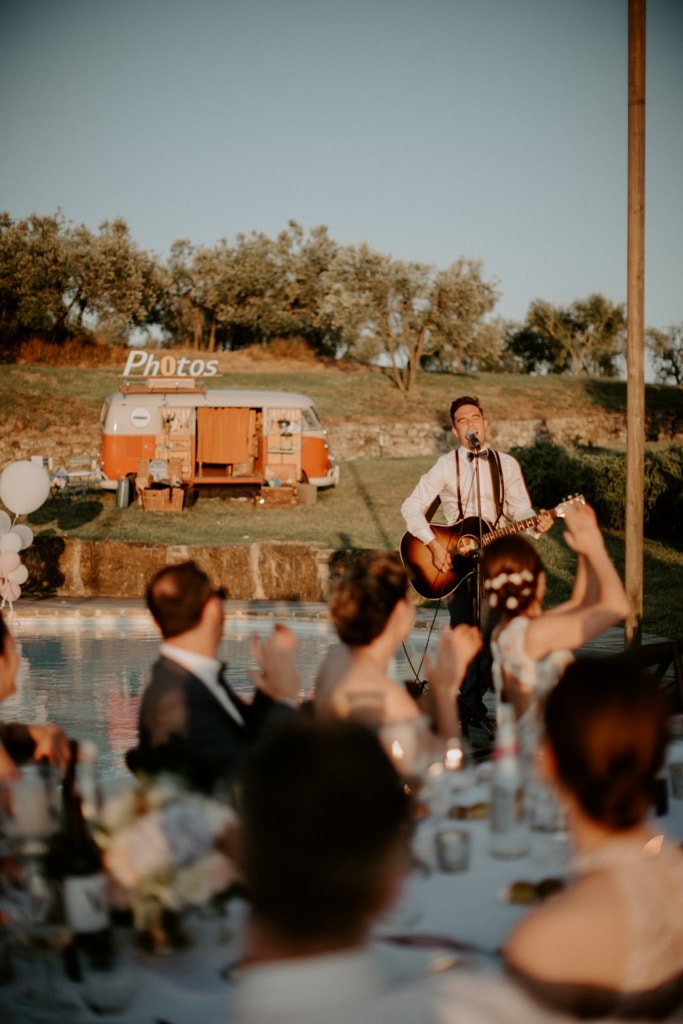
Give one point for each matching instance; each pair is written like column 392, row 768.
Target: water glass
column 108, row 976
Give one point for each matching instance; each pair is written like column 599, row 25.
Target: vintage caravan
column 211, row 437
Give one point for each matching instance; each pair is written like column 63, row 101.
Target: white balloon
column 24, row 486
column 9, row 561
column 20, row 575
column 10, row 591
column 5, row 522
column 10, row 542
column 26, row 534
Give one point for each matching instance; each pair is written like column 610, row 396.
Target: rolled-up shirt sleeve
column 429, row 487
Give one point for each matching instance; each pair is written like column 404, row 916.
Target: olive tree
column 586, row 337
column 407, row 315
column 666, row 348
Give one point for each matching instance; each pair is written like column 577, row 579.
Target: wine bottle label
column 85, row 903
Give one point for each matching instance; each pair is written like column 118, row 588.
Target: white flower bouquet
column 165, row 848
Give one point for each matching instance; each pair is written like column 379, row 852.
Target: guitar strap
column 497, row 483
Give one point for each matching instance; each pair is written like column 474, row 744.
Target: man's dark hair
column 324, row 815
column 176, row 596
column 464, row 400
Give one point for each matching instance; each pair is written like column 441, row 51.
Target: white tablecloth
column 187, row 987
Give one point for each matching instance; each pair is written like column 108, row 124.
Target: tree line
column 60, row 282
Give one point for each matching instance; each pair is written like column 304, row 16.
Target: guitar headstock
column 566, row 503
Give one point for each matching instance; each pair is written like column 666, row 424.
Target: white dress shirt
column 442, row 481
column 207, row 670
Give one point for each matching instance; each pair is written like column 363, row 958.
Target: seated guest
column 20, row 742
column 371, row 609
column 191, row 723
column 326, row 832
column 611, row 944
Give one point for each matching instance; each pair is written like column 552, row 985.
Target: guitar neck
column 507, row 531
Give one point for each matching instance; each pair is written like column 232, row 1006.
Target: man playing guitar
column 500, row 496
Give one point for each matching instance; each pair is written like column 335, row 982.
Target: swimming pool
column 87, row 674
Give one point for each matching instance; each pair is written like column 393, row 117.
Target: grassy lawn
column 363, row 512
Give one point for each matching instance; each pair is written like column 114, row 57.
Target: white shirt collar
column 292, row 988
column 206, row 669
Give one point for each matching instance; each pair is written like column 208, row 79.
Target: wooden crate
column 163, row 499
column 274, row 497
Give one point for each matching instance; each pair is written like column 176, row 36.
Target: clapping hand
column 582, row 532
column 277, row 674
column 455, row 650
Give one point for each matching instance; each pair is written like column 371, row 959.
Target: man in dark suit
column 191, row 723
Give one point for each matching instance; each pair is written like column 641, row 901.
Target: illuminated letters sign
column 148, row 365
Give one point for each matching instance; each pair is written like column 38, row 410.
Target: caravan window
column 311, row 421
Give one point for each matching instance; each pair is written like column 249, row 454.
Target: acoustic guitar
column 462, row 541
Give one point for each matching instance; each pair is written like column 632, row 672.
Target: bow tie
column 483, row 454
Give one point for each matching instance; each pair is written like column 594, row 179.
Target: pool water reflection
column 87, row 674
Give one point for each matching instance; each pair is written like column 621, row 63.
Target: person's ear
column 213, row 610
column 546, row 764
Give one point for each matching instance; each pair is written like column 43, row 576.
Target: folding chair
column 80, row 475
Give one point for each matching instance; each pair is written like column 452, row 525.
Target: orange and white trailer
column 211, row 437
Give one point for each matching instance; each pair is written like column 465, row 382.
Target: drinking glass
column 108, row 976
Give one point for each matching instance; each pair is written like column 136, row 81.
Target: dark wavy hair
column 464, row 400
column 3, row 632
column 510, row 568
column 364, row 594
column 606, row 722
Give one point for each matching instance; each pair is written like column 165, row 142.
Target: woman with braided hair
column 531, row 646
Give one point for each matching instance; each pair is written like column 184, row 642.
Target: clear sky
column 430, row 129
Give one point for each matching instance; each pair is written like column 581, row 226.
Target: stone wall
column 399, row 439
column 272, row 571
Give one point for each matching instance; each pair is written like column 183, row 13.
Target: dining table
column 443, row 918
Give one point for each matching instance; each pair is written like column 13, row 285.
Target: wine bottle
column 87, row 781
column 84, row 884
column 509, row 830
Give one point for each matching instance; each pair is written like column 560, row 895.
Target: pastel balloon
column 24, row 486
column 19, row 575
column 26, row 535
column 5, row 522
column 10, row 591
column 10, row 542
column 9, row 561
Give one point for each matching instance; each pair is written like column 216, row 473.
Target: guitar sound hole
column 466, row 545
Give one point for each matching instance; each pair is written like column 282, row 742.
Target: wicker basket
column 275, row 497
column 163, row 499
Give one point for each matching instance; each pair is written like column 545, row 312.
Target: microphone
column 473, row 439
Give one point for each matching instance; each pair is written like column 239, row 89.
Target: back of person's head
column 325, row 819
column 176, row 597
column 511, row 568
column 606, row 724
column 364, row 594
column 464, row 400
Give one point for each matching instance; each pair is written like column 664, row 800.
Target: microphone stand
column 477, row 555
column 476, row 597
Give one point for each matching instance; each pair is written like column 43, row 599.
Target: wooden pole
column 635, row 307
